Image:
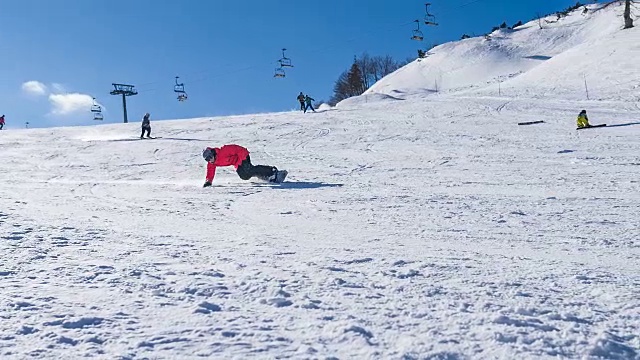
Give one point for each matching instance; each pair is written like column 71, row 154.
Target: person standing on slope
column 301, row 100
column 308, row 99
column 1, row 122
column 583, row 120
column 146, row 126
column 238, row 157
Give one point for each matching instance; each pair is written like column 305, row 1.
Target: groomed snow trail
column 433, row 229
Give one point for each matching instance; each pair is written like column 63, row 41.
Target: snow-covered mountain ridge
column 527, row 61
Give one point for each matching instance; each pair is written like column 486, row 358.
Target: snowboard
column 592, row 126
column 280, row 176
column 151, row 138
column 531, row 122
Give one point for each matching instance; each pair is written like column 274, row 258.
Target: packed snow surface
column 412, row 225
column 437, row 229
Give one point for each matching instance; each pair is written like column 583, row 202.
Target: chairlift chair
column 279, row 72
column 179, row 88
column 429, row 19
column 417, row 34
column 95, row 108
column 285, row 61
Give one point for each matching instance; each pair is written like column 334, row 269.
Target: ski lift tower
column 124, row 90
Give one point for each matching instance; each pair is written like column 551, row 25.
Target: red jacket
column 227, row 155
column 2, row 120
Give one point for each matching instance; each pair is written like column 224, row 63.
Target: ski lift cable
column 362, row 35
column 216, row 74
column 393, row 27
column 209, row 74
column 448, row 9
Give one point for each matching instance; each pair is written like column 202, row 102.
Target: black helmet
column 583, row 112
column 208, row 154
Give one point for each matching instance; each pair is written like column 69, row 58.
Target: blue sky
column 56, row 55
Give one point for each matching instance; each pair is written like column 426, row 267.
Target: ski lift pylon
column 179, row 89
column 429, row 19
column 285, row 61
column 417, row 34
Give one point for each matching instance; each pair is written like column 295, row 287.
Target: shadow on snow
column 627, row 124
column 299, row 185
column 161, row 138
column 185, row 139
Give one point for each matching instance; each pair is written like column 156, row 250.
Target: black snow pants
column 246, row 170
column 147, row 129
column 309, row 106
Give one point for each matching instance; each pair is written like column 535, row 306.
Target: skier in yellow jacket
column 583, row 120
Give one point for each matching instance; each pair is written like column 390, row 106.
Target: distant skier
column 146, row 126
column 308, row 99
column 238, row 157
column 583, row 120
column 1, row 122
column 301, row 100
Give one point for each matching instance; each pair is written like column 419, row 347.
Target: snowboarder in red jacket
column 238, row 157
column 1, row 122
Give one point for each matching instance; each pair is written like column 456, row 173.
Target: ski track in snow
column 409, row 230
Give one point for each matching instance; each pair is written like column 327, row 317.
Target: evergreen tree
column 355, row 79
column 340, row 89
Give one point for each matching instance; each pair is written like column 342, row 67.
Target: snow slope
column 553, row 62
column 406, row 230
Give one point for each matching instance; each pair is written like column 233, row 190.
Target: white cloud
column 66, row 104
column 62, row 102
column 34, row 88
